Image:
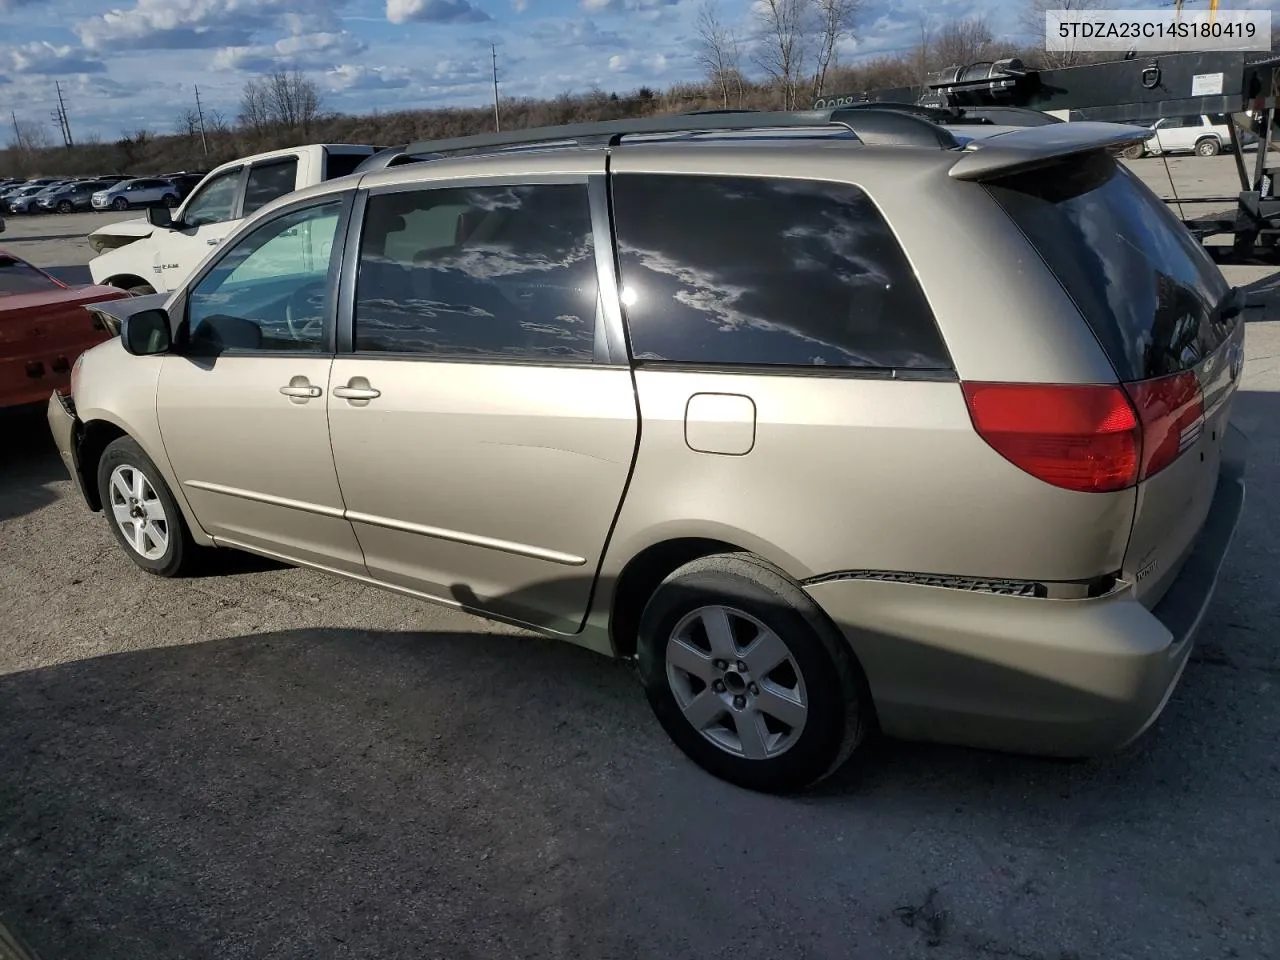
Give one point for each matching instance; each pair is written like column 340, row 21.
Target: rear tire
column 1134, row 151
column 1208, row 147
column 141, row 511
column 749, row 677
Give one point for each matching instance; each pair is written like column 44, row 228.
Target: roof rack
column 898, row 125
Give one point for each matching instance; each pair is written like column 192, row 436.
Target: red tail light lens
column 1084, row 438
column 1171, row 410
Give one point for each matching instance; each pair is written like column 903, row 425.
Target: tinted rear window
column 762, row 272
column 1142, row 281
column 17, row 278
column 340, row 164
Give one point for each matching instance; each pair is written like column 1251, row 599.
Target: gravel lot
column 269, row 763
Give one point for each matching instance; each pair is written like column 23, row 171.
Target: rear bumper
column 1050, row 677
column 67, row 432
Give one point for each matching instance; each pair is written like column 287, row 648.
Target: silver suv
column 142, row 192
column 834, row 422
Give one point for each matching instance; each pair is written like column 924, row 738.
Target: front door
column 200, row 225
column 242, row 406
column 481, row 448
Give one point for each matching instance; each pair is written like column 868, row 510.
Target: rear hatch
column 1169, row 322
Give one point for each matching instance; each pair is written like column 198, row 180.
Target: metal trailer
column 1244, row 86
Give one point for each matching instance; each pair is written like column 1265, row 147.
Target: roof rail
column 885, row 126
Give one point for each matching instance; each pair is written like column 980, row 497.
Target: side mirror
column 146, row 334
column 159, row 216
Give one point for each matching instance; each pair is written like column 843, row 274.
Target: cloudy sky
column 130, row 63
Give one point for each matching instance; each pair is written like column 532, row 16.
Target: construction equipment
column 1243, row 86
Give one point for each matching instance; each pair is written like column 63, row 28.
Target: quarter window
column 761, row 272
column 270, row 291
column 503, row 272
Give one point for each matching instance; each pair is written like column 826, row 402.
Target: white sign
column 1206, row 84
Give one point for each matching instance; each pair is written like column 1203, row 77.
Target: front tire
column 120, row 203
column 142, row 513
column 64, row 206
column 748, row 676
column 1208, row 147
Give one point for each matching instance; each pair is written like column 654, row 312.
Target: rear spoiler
column 111, row 313
column 1019, row 150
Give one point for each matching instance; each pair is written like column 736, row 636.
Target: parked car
column 70, row 196
column 24, row 201
column 44, row 328
column 1204, row 135
column 143, row 192
column 737, row 406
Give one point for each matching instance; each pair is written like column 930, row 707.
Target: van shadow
column 367, row 793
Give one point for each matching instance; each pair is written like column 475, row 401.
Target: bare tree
column 1032, row 21
column 188, row 123
column 255, row 106
column 835, row 21
column 29, row 136
column 963, row 42
column 215, row 121
column 786, row 26
column 715, row 48
column 293, row 99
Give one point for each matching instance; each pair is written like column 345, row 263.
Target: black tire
column 181, row 554
column 1208, row 147
column 1134, row 151
column 64, row 206
column 838, row 709
column 141, row 290
column 120, row 203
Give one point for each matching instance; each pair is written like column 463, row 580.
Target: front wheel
column 120, row 203
column 141, row 511
column 64, row 206
column 1208, row 148
column 748, row 676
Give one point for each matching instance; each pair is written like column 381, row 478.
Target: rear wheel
column 1134, row 151
column 748, row 677
column 1208, row 147
column 141, row 511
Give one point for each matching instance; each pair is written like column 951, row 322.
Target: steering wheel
column 304, row 311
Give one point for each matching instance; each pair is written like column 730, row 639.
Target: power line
column 60, row 117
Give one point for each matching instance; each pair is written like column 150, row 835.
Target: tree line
column 793, row 60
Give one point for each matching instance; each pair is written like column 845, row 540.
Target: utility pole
column 200, row 113
column 497, row 121
column 62, row 111
column 17, row 131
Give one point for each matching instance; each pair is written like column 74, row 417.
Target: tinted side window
column 488, row 272
column 266, row 181
column 340, row 164
column 754, row 271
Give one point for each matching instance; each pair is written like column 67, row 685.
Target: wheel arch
column 126, row 281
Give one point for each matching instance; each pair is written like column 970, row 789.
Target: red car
column 43, row 329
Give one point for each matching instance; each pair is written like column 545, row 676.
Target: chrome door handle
column 357, row 388
column 212, row 243
column 300, row 390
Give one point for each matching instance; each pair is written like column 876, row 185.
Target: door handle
column 357, row 391
column 213, row 242
column 300, row 390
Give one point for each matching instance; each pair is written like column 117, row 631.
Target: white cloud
column 434, row 11
column 42, row 57
column 198, row 24
column 306, row 52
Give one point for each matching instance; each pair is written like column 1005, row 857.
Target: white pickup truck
column 154, row 253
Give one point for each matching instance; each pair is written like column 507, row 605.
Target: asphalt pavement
column 268, row 762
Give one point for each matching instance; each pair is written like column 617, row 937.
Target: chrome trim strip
column 275, row 501
column 475, row 540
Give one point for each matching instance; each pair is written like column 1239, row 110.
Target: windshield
column 1142, row 281
column 17, row 277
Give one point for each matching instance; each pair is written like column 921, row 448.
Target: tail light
column 1090, row 438
column 1172, row 413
